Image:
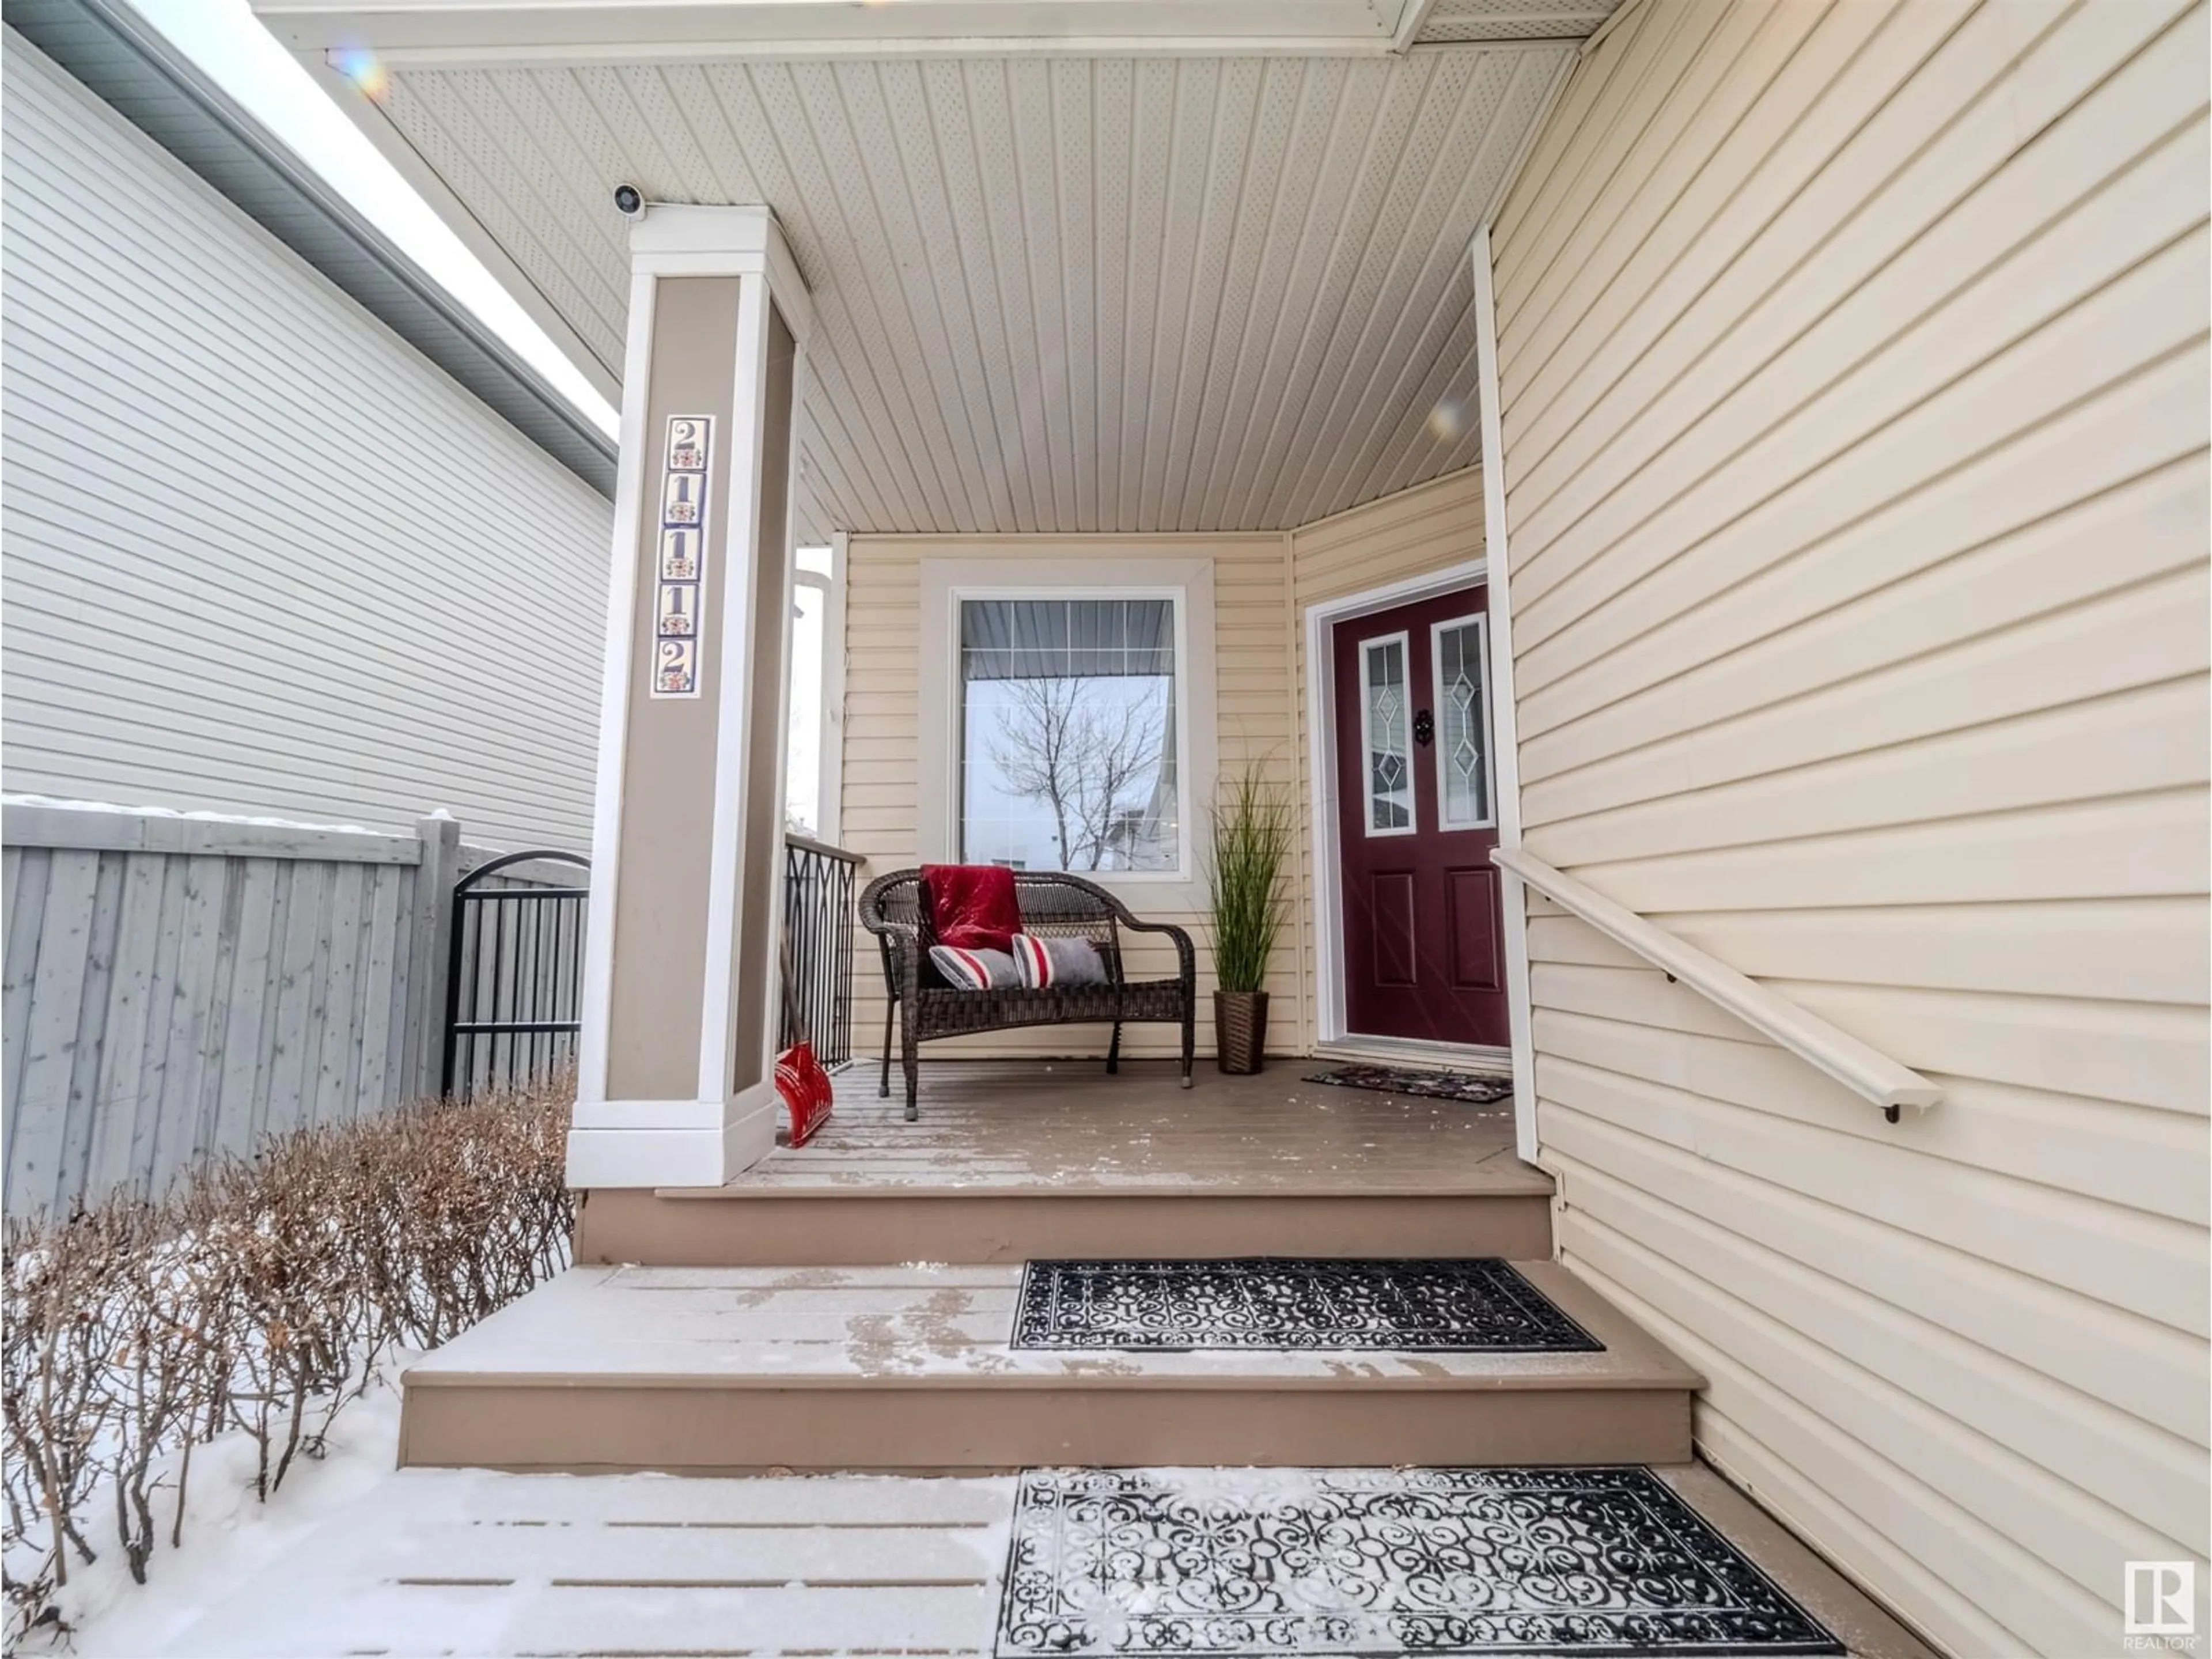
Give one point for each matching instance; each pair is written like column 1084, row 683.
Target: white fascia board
column 512, row 31
column 897, row 49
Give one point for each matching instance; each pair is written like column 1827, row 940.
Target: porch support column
column 675, row 1083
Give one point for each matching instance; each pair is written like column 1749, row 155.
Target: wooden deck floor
column 1012, row 1160
column 1066, row 1125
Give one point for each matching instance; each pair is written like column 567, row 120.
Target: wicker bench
column 1052, row 905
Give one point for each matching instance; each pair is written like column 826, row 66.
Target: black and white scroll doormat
column 1431, row 1085
column 1149, row 1563
column 1478, row 1305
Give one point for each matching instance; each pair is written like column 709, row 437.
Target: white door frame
column 1322, row 618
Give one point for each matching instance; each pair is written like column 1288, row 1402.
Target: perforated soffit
column 1051, row 295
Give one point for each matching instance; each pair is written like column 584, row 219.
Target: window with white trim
column 1069, row 720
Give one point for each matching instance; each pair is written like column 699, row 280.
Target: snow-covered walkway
column 473, row 1563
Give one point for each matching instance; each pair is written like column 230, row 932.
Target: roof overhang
column 1076, row 266
column 128, row 65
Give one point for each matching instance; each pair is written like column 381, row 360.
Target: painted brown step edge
column 1103, row 1373
column 809, row 1229
column 588, row 1430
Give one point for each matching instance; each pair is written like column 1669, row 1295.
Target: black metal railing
column 515, row 976
column 818, row 885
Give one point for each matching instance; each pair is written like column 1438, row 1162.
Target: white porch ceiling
column 1052, row 294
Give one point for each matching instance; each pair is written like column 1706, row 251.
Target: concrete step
column 825, row 1367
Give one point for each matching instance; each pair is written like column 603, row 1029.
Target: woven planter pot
column 1240, row 1030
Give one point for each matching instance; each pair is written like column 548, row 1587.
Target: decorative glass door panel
column 1459, row 649
column 1386, row 704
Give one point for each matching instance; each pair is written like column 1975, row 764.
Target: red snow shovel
column 799, row 1078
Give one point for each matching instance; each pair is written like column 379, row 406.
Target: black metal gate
column 514, row 979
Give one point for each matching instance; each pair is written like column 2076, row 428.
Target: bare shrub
column 272, row 1244
column 65, row 1323
column 259, row 1295
column 481, row 1216
column 164, row 1374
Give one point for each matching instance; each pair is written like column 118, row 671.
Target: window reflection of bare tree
column 1091, row 760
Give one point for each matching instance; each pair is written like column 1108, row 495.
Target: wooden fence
column 175, row 987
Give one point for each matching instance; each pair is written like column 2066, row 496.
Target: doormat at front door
column 1431, row 1085
column 1478, row 1305
column 1147, row 1564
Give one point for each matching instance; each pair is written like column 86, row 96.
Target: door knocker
column 1425, row 726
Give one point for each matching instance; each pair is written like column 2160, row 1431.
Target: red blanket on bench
column 971, row 905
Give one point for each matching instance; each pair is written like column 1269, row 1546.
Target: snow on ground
column 228, row 1536
column 354, row 1555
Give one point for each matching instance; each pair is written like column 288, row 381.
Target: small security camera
column 629, row 201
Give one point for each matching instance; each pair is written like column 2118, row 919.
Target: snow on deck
column 778, row 1326
column 468, row 1562
column 1067, row 1126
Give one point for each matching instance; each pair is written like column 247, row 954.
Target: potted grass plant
column 1252, row 830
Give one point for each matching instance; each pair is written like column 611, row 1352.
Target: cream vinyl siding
column 262, row 555
column 1402, row 536
column 1253, row 717
column 1854, row 393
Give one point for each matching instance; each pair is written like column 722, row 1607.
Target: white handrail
column 1862, row 1070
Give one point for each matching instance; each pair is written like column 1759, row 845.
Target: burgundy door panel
column 1471, row 906
column 1424, row 951
column 1391, row 913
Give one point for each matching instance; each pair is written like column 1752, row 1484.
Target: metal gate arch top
column 515, row 975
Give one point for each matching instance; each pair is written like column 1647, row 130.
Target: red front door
column 1416, row 814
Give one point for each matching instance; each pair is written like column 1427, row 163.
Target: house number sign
column 679, row 578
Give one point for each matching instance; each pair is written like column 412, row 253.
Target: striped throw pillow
column 1042, row 962
column 976, row 970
